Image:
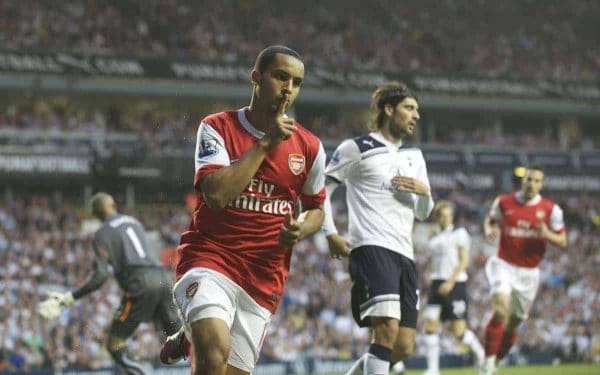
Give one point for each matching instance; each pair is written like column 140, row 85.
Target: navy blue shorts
column 454, row 306
column 384, row 278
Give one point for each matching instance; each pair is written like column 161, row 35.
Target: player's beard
column 399, row 132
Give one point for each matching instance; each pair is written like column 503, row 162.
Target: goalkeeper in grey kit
column 121, row 243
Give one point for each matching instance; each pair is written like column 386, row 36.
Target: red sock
column 493, row 336
column 508, row 339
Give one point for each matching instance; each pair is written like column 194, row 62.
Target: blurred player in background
column 121, row 244
column 449, row 259
column 252, row 166
column 387, row 187
column 525, row 221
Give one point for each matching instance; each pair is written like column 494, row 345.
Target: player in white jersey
column 386, row 188
column 449, row 259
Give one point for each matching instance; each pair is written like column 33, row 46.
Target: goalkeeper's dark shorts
column 384, row 284
column 149, row 299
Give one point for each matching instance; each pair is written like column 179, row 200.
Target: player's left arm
column 463, row 264
column 294, row 230
column 419, row 186
column 58, row 301
column 312, row 197
column 556, row 232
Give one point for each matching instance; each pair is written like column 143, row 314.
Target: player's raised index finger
column 282, row 105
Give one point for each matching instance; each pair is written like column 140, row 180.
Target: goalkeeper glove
column 51, row 307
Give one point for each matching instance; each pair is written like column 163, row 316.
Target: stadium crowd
column 43, row 247
column 54, row 125
column 452, row 36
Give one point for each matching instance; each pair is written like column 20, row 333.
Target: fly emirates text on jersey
column 257, row 197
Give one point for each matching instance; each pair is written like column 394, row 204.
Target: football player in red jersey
column 525, row 221
column 252, row 167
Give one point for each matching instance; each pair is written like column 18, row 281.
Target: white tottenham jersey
column 378, row 214
column 444, row 248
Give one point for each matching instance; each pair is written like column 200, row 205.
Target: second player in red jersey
column 525, row 222
column 520, row 240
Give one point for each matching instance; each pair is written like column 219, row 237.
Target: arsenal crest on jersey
column 296, row 163
column 540, row 214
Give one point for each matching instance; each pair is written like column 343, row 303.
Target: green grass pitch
column 570, row 369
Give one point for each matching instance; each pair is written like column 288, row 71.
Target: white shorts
column 521, row 283
column 203, row 293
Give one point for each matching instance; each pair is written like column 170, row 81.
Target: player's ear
column 255, row 77
column 388, row 109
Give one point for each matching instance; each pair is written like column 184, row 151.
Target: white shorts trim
column 521, row 283
column 385, row 305
column 204, row 293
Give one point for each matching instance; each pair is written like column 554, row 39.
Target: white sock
column 432, row 340
column 471, row 340
column 398, row 367
column 375, row 365
column 490, row 364
column 357, row 367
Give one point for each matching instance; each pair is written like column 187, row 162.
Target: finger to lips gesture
column 284, row 125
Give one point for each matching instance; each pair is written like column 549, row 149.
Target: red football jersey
column 242, row 240
column 519, row 241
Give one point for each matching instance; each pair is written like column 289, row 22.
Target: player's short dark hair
column 267, row 55
column 392, row 93
column 534, row 167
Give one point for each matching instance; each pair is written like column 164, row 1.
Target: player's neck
column 385, row 132
column 258, row 117
column 525, row 198
column 448, row 226
column 107, row 214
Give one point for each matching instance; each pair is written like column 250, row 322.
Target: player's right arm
column 338, row 245
column 337, row 171
column 100, row 273
column 58, row 301
column 491, row 229
column 223, row 185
